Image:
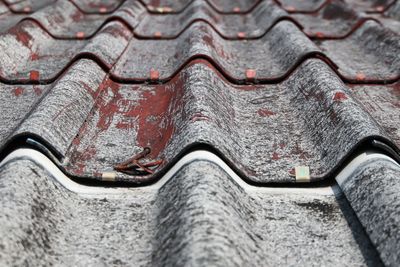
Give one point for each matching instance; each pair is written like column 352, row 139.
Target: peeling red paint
column 107, row 109
column 265, row 112
column 77, row 16
column 152, row 116
column 79, row 158
column 340, row 96
column 34, row 56
column 298, row 150
column 18, row 91
column 37, row 90
column 91, row 91
column 157, row 104
column 21, row 35
column 126, row 125
column 275, row 156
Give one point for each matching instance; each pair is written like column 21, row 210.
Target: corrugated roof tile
column 301, row 121
column 253, row 24
column 200, row 216
column 189, row 125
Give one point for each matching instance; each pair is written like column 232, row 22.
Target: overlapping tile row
column 25, row 6
column 335, row 19
column 372, row 6
column 169, row 6
column 195, row 218
column 235, row 26
column 294, row 6
column 391, row 17
column 100, row 108
column 64, row 20
column 264, row 131
column 30, row 54
column 42, row 38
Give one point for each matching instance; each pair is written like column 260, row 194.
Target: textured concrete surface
column 193, row 220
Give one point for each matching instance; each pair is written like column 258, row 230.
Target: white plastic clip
column 108, row 176
column 302, row 174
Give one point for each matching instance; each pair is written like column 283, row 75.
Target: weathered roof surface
column 118, row 93
column 306, row 117
column 193, row 219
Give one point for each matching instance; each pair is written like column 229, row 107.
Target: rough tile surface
column 199, row 132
